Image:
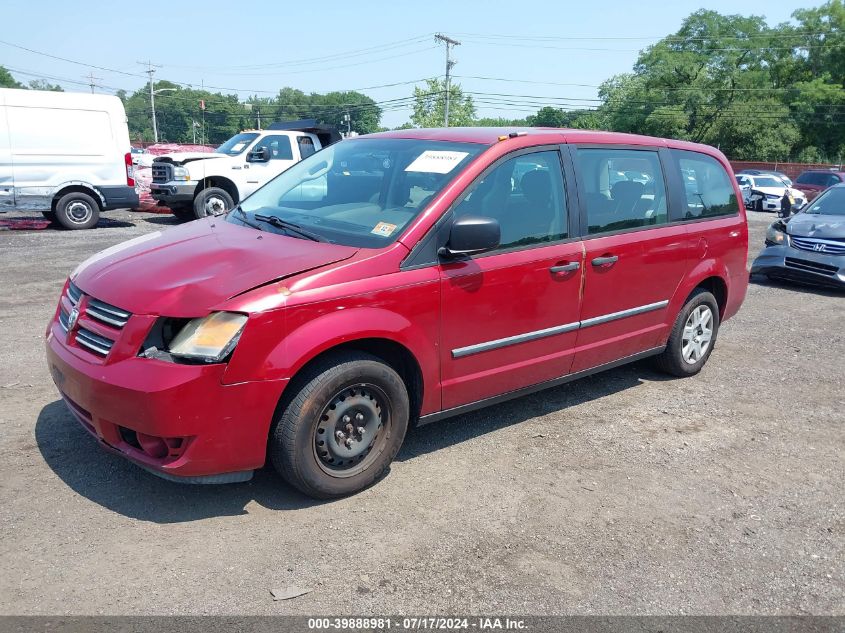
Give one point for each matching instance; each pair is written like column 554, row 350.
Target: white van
column 65, row 154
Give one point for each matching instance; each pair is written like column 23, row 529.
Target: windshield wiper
column 290, row 227
column 245, row 218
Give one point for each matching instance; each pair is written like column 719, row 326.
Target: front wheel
column 77, row 210
column 342, row 427
column 212, row 201
column 693, row 336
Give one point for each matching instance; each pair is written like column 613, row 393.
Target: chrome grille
column 827, row 247
column 809, row 266
column 97, row 344
column 162, row 172
column 106, row 313
column 97, row 311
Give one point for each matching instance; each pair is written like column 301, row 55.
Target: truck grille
column 809, row 266
column 828, row 247
column 95, row 311
column 162, row 172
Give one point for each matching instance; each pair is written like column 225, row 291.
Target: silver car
column 810, row 246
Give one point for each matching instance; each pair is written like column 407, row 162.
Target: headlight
column 776, row 237
column 210, row 338
column 181, row 173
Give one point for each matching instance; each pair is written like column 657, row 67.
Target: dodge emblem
column 72, row 318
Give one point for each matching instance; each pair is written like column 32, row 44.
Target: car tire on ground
column 77, row 210
column 693, row 336
column 50, row 215
column 341, row 425
column 212, row 201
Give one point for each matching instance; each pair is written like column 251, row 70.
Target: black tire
column 212, row 201
column 672, row 360
column 326, row 399
column 77, row 210
column 50, row 215
column 758, row 205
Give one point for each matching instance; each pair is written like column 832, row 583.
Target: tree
column 42, row 84
column 7, row 81
column 430, row 105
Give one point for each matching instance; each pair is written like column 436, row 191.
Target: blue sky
column 321, row 46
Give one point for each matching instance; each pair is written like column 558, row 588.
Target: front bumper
column 786, row 262
column 173, row 192
column 178, row 421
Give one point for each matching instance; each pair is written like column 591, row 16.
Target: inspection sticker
column 384, row 229
column 433, row 162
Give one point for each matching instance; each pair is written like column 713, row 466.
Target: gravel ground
column 625, row 492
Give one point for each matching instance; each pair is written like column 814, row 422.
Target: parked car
column 810, row 246
column 141, row 157
column 410, row 281
column 197, row 184
column 767, row 172
column 765, row 193
column 814, row 181
column 65, row 154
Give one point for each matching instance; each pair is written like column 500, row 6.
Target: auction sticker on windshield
column 434, row 162
column 384, row 229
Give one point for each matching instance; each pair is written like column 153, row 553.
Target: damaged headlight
column 210, row 338
column 776, row 235
column 181, row 173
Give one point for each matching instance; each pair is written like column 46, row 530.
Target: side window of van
column 708, row 191
column 526, row 195
column 623, row 189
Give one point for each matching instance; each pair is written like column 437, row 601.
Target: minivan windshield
column 237, row 144
column 831, row 202
column 359, row 192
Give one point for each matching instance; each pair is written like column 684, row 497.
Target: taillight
column 130, row 170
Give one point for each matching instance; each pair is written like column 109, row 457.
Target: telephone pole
column 90, row 77
column 150, row 70
column 449, row 63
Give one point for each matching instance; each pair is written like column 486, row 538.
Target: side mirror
column 471, row 234
column 260, row 155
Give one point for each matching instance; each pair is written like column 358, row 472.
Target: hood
column 817, row 225
column 180, row 158
column 776, row 191
column 188, row 269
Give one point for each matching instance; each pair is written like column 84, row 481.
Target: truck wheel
column 49, row 215
column 342, row 427
column 212, row 201
column 693, row 336
column 77, row 210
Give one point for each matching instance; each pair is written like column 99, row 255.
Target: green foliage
column 7, row 81
column 41, row 84
column 430, row 105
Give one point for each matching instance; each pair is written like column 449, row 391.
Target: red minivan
column 391, row 279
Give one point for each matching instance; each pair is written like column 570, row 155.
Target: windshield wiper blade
column 245, row 218
column 290, row 227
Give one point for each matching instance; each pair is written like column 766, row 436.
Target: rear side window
column 708, row 191
column 623, row 189
column 306, row 146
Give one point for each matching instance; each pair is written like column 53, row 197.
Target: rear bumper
column 178, row 421
column 119, row 197
column 173, row 192
column 785, row 262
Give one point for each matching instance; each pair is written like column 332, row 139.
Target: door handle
column 565, row 268
column 603, row 261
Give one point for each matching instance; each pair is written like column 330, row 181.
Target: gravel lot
column 625, row 492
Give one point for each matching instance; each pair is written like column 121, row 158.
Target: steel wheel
column 698, row 333
column 215, row 205
column 353, row 430
column 79, row 212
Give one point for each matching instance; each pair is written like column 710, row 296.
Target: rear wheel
column 77, row 210
column 212, row 201
column 342, row 427
column 693, row 336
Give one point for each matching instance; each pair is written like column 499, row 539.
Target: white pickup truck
column 195, row 184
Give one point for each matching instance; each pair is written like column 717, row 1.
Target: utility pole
column 258, row 118
column 449, row 63
column 348, row 120
column 91, row 79
column 150, row 70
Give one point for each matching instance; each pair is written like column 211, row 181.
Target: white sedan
column 765, row 192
